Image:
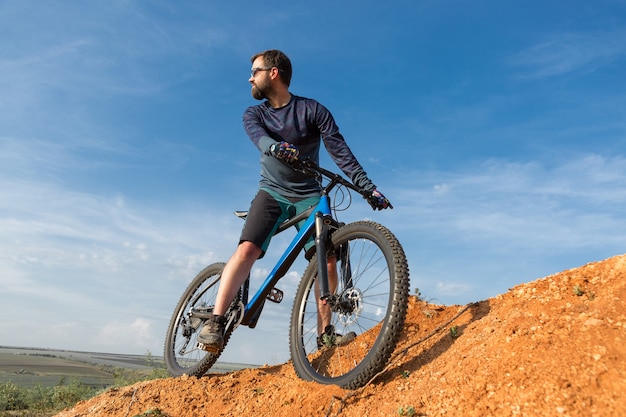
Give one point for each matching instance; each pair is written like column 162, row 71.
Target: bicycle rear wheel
column 372, row 296
column 182, row 355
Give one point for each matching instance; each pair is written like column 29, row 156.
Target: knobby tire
column 182, row 356
column 378, row 288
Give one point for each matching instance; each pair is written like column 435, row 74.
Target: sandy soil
column 552, row 347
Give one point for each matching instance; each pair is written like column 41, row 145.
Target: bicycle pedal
column 209, row 349
column 275, row 295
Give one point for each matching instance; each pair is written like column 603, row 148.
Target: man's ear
column 274, row 73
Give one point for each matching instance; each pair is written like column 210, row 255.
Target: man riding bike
column 284, row 127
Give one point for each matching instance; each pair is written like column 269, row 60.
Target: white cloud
column 453, row 288
column 563, row 53
column 134, row 334
column 441, row 189
column 576, row 203
column 501, row 223
column 97, row 258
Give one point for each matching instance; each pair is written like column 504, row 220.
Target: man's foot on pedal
column 211, row 336
column 331, row 338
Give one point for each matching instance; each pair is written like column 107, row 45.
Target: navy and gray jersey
column 304, row 123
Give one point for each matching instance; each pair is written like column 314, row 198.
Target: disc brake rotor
column 354, row 299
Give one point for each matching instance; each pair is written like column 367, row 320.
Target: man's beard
column 257, row 93
column 262, row 90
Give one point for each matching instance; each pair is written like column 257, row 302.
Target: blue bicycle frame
column 318, row 220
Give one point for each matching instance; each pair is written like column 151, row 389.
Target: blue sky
column 497, row 129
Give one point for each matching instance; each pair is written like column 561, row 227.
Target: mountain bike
column 369, row 301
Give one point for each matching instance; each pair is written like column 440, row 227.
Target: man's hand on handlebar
column 288, row 153
column 378, row 201
column 285, row 152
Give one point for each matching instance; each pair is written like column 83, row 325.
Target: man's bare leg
column 233, row 276
column 324, row 314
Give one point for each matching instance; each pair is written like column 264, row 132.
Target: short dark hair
column 276, row 58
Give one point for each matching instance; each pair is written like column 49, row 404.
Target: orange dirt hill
column 552, row 347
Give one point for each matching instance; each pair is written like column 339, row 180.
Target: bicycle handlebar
column 310, row 167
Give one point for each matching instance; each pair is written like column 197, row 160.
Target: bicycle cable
column 341, row 201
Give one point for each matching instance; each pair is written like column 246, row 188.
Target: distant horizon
column 2, row 347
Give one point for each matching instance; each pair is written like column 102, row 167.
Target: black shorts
column 267, row 211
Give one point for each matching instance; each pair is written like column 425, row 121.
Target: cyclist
column 283, row 128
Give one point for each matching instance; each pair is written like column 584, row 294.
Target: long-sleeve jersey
column 304, row 123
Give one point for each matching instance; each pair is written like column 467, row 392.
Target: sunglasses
column 253, row 71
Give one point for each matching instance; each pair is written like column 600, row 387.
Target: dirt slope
column 552, row 347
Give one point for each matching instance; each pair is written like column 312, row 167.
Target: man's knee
column 248, row 251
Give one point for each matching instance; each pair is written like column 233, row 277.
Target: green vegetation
column 76, row 382
column 151, row 413
column 454, row 331
column 418, row 294
column 579, row 291
column 43, row 399
column 406, row 411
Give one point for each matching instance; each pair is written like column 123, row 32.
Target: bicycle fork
column 345, row 302
column 322, row 226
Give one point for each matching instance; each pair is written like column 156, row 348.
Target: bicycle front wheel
column 182, row 355
column 371, row 302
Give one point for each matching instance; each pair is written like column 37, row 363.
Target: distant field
column 29, row 370
column 28, row 367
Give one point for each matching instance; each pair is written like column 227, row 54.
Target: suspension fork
column 345, row 269
column 339, row 303
column 322, row 228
